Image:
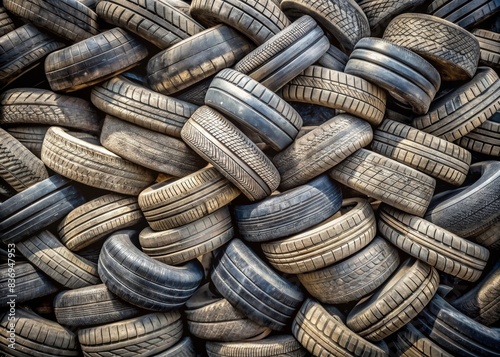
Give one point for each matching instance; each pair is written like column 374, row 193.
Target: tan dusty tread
column 387, row 180
column 337, row 90
column 439, row 248
column 6, row 23
column 489, row 42
column 410, row 342
column 30, row 136
column 485, row 139
column 422, row 151
column 278, row 345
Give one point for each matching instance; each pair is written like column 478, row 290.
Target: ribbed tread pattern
column 259, row 20
column 387, row 180
column 439, row 248
column 282, row 345
column 6, row 23
column 327, row 243
column 92, row 164
column 465, row 14
column 452, row 50
column 485, row 139
column 337, row 90
column 489, row 42
column 422, row 151
column 410, row 342
column 30, row 136
column 221, row 143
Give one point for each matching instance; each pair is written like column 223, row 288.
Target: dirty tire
column 254, row 288
column 31, row 136
column 231, row 152
column 489, row 42
column 184, row 348
column 410, row 342
column 331, row 241
column 368, row 172
column 141, row 106
column 471, row 209
column 100, row 57
column 337, row 90
column 82, row 160
column 6, row 23
column 91, row 305
column 489, row 238
column 466, row 14
column 422, row 151
column 451, row 49
column 322, row 331
column 334, row 59
column 280, row 345
column 437, row 247
column 258, row 20
column 485, row 139
column 354, row 277
column 142, row 281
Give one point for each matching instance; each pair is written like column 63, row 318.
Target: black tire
column 485, row 139
column 334, row 59
column 184, row 348
column 156, row 21
column 113, row 51
column 279, row 345
column 258, row 21
column 34, row 209
column 465, row 14
column 231, row 152
column 439, row 248
column 448, row 47
column 196, row 58
column 91, row 305
column 31, row 136
column 289, row 212
column 469, row 210
column 6, row 23
column 69, row 19
column 147, row 148
column 410, row 342
column 354, row 277
column 141, row 106
column 254, row 288
column 142, row 281
column 343, row 20
column 286, row 54
column 489, row 42
column 489, row 238
column 407, row 77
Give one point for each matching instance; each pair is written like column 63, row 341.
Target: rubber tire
column 231, row 152
column 100, row 57
column 142, row 281
column 489, row 42
column 279, row 345
column 485, row 139
column 465, row 14
column 6, row 23
column 254, row 288
column 439, row 248
column 410, row 342
column 334, row 59
column 184, row 348
column 337, row 90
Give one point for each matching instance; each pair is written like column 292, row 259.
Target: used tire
column 464, row 14
column 485, row 139
column 489, row 42
column 280, row 345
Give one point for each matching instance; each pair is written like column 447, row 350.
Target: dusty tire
column 30, row 136
column 489, row 42
column 485, row 139
column 6, row 23
column 410, row 342
column 280, row 345
column 334, row 59
column 464, row 14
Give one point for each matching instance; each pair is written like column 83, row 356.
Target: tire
column 48, row 254
column 30, row 136
column 396, row 302
column 69, row 19
column 141, row 106
column 157, row 22
column 184, row 348
column 410, row 342
column 489, row 238
column 280, row 345
column 439, row 248
column 289, row 212
column 196, row 58
column 489, row 42
column 333, row 59
column 6, row 23
column 40, row 106
column 322, row 331
column 113, row 52
column 91, row 164
column 93, row 221
column 429, row 154
column 19, row 167
column 286, row 54
column 482, row 302
column 448, row 47
column 30, row 283
column 258, row 21
column 333, row 240
column 22, row 50
column 485, row 139
column 36, row 336
column 232, row 153
column 144, row 335
column 344, row 21
column 456, row 333
column 147, row 148
column 472, row 209
column 249, row 104
column 91, row 305
column 142, row 281
column 321, row 149
column 254, row 288
column 465, row 14
column 407, row 77
column 177, row 202
column 354, row 277
column 386, row 180
column 337, row 90
column 184, row 243
column 37, row 207
column 464, row 109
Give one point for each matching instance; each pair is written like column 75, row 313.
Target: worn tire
column 489, row 42
column 485, row 139
column 410, row 342
column 334, row 59
column 280, row 345
column 6, row 23
column 465, row 14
